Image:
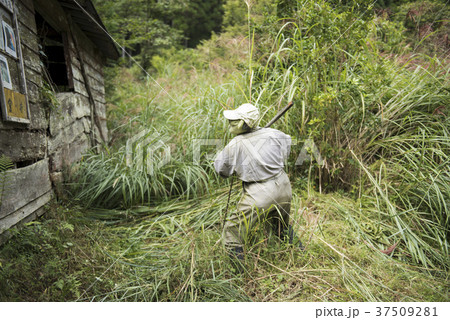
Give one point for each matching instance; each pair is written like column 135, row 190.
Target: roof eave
column 86, row 17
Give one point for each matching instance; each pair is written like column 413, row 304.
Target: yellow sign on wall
column 16, row 105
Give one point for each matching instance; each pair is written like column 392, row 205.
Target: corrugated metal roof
column 90, row 23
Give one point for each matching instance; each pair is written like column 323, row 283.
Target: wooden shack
column 52, row 97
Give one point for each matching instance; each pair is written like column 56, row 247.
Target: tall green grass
column 119, row 177
column 173, row 252
column 173, row 249
column 381, row 126
column 108, row 182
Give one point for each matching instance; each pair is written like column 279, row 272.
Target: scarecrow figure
column 257, row 156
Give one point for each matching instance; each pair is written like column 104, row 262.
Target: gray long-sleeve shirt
column 254, row 156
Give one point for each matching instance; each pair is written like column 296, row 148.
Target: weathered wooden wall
column 28, row 190
column 53, row 139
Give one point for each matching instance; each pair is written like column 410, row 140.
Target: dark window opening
column 53, row 55
column 25, row 163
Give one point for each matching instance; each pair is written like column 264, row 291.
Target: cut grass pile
column 172, row 252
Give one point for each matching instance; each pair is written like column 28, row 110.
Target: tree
column 199, row 19
column 145, row 27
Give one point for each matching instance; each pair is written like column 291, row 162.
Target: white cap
column 247, row 112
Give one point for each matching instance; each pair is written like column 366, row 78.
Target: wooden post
column 94, row 117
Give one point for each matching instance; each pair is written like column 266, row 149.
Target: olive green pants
column 262, row 203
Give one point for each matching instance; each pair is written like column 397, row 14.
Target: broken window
column 54, row 53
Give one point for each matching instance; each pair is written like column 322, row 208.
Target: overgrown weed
column 381, row 127
column 173, row 252
column 51, row 259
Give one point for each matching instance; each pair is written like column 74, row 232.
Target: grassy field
column 173, row 252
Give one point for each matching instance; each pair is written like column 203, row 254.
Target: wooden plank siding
column 30, row 183
column 27, row 4
column 55, row 137
column 26, row 15
column 29, row 189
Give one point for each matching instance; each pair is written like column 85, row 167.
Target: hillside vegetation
column 373, row 96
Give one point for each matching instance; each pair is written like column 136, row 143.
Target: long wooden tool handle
column 228, row 201
column 279, row 114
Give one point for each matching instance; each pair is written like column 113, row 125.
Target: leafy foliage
column 145, row 27
column 367, row 111
column 426, row 24
column 37, row 264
